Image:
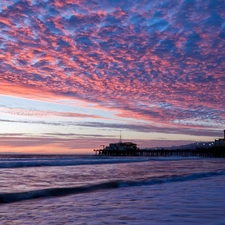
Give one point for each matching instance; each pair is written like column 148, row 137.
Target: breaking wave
column 65, row 162
column 23, row 162
column 56, row 192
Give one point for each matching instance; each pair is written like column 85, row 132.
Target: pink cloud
column 150, row 62
column 43, row 113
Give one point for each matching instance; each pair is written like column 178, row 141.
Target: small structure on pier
column 122, row 146
column 119, row 148
column 220, row 142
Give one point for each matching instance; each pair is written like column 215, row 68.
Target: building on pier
column 121, row 146
column 220, row 142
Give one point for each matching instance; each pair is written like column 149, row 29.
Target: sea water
column 41, row 189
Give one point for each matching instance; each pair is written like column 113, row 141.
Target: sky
column 74, row 74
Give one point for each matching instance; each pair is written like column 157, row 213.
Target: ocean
column 86, row 189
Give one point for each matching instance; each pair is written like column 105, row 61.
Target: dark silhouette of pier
column 130, row 149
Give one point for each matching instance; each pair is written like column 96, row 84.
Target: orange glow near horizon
column 43, row 149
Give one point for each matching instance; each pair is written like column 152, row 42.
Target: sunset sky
column 76, row 73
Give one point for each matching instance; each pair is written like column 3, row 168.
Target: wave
column 56, row 192
column 76, row 161
column 65, row 162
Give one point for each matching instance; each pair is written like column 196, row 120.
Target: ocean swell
column 65, row 162
column 76, row 161
column 56, row 192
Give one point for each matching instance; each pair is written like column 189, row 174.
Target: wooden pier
column 209, row 153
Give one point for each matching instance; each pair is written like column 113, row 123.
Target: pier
column 209, row 153
column 130, row 149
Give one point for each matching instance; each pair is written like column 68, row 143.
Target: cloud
column 44, row 113
column 58, row 135
column 152, row 128
column 51, row 145
column 185, row 129
column 33, row 122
